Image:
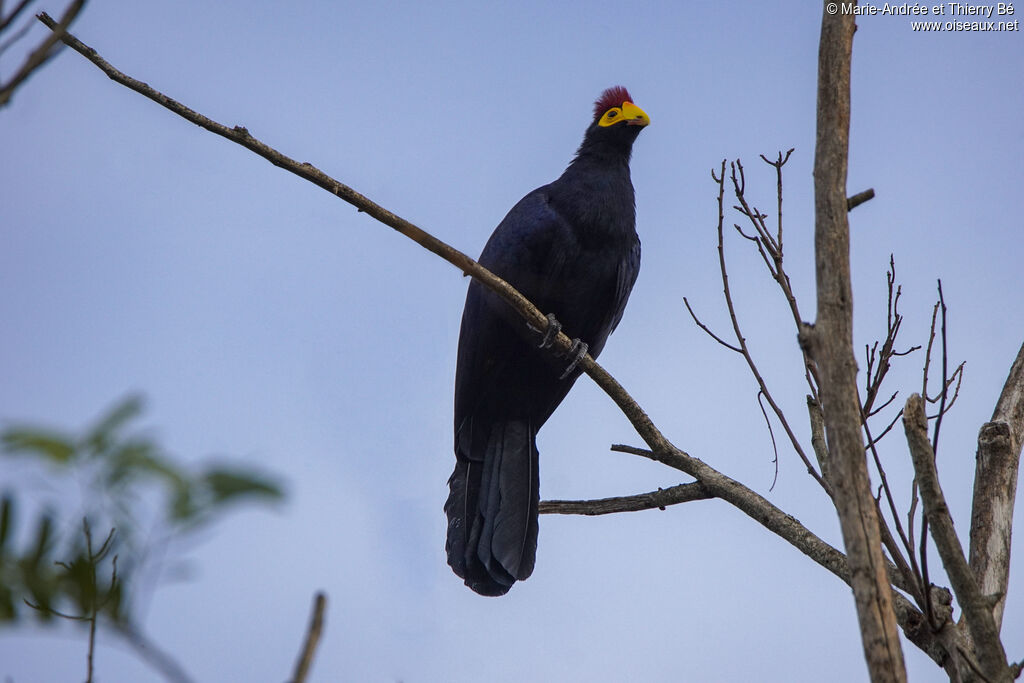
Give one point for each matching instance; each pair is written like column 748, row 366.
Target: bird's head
column 617, row 121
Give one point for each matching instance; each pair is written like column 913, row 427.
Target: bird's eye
column 610, row 117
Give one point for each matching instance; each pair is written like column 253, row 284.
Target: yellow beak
column 634, row 115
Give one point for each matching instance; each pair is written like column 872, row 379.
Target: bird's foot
column 554, row 327
column 576, row 352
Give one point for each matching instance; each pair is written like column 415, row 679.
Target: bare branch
column 660, row 499
column 945, row 383
column 241, row 136
column 995, row 489
column 977, row 612
column 316, row 626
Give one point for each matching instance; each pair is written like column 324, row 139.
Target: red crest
column 612, row 97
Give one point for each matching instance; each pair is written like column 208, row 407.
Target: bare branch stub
column 654, row 500
column 313, row 633
column 859, row 198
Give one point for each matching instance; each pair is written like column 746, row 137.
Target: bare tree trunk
column 831, row 346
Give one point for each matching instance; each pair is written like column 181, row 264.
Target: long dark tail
column 492, row 505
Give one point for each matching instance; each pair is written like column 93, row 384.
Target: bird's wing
column 626, row 278
column 527, row 250
column 530, row 248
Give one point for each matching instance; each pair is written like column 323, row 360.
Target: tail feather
column 492, row 508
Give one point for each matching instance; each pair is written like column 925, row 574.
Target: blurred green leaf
column 137, row 458
column 51, row 445
column 7, row 609
column 44, row 536
column 5, row 521
column 104, row 431
column 227, row 484
column 182, row 507
column 121, row 471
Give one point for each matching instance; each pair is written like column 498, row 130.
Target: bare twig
column 93, row 604
column 945, row 375
column 316, row 625
column 14, row 37
column 770, row 250
column 878, row 364
column 771, row 433
column 18, row 9
column 708, row 330
column 43, row 53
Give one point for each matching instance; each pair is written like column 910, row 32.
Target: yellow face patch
column 628, row 113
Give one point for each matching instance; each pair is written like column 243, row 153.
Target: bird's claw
column 576, row 352
column 551, row 333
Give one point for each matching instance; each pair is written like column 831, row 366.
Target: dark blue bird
column 571, row 248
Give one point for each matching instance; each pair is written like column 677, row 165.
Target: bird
column 572, row 249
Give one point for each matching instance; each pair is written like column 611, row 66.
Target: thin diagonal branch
column 18, row 9
column 316, row 626
column 241, row 136
column 707, row 329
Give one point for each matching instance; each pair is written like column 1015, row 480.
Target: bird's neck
column 596, row 194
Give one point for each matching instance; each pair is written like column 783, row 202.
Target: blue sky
column 264, row 318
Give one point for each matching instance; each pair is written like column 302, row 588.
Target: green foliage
column 63, row 576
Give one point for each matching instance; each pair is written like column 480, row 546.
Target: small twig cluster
column 931, row 625
column 93, row 600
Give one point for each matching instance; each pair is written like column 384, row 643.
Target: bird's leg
column 576, row 352
column 554, row 327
